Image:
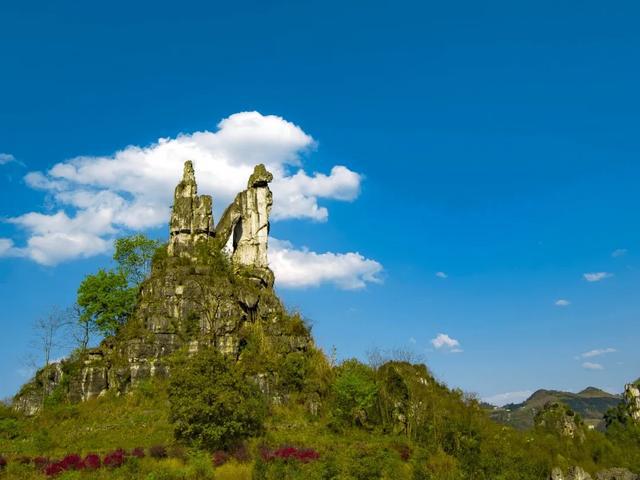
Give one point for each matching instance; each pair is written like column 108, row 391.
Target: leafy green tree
column 106, row 299
column 354, row 393
column 133, row 255
column 211, row 404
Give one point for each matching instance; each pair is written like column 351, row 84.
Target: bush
column 114, row 459
column 354, row 393
column 138, row 452
column 3, row 462
column 212, row 404
column 92, row 462
column 219, row 458
column 158, row 451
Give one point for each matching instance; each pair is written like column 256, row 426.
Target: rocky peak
column 191, row 215
column 632, row 400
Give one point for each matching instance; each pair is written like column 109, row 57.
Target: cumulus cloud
column 6, row 158
column 597, row 352
column 592, row 366
column 301, row 268
column 619, row 252
column 95, row 198
column 501, row 399
column 444, row 342
column 562, row 302
column 441, row 275
column 596, row 276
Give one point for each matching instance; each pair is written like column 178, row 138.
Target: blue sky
column 495, row 143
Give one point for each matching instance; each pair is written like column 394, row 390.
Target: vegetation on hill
column 270, row 410
column 591, row 403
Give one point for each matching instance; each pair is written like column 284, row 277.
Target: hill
column 591, row 404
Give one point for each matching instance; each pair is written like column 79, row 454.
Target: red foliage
column 92, row 462
column 53, row 469
column 72, row 462
column 220, row 458
column 404, row 451
column 41, row 462
column 304, row 455
column 137, row 452
column 114, row 459
column 3, row 462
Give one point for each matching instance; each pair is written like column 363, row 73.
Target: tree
column 47, row 338
column 211, row 404
column 133, row 255
column 354, row 392
column 107, row 299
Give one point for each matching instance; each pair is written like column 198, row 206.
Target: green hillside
column 591, row 403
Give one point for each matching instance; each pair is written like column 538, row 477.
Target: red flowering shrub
column 3, row 462
column 114, row 459
column 220, row 458
column 92, row 462
column 404, row 451
column 41, row 462
column 158, row 451
column 137, row 452
column 53, row 469
column 304, row 455
column 72, row 462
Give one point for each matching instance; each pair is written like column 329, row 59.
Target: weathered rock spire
column 191, row 216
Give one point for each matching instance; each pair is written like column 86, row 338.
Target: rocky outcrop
column 616, row 474
column 191, row 215
column 560, row 419
column 244, row 227
column 632, row 400
column 198, row 294
column 577, row 473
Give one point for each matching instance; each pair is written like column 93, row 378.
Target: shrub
column 219, row 458
column 72, row 462
column 138, row 452
column 92, row 461
column 41, row 462
column 3, row 462
column 53, row 469
column 354, row 393
column 241, row 453
column 158, row 451
column 212, row 404
column 304, row 455
column 114, row 459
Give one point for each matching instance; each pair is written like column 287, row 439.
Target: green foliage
column 133, row 255
column 106, row 300
column 211, row 403
column 108, row 297
column 354, row 393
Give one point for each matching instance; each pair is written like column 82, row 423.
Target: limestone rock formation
column 197, row 295
column 574, row 473
column 560, row 419
column 616, row 474
column 191, row 215
column 244, row 227
column 632, row 400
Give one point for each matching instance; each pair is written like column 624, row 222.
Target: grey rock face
column 632, row 400
column 191, row 215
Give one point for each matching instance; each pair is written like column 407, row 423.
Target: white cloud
column 301, row 268
column 619, row 252
column 6, row 158
column 592, row 366
column 597, row 352
column 445, row 342
column 99, row 197
column 597, row 276
column 412, row 340
column 441, row 275
column 562, row 302
column 501, row 399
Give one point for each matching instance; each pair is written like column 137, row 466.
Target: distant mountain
column 591, row 403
